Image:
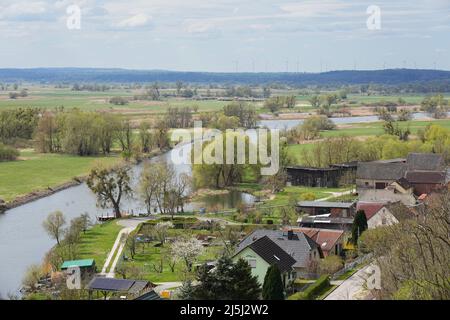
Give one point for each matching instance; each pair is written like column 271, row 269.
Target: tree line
column 434, row 139
column 90, row 133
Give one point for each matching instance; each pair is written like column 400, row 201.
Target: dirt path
column 119, row 244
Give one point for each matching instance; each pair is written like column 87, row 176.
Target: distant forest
column 420, row 80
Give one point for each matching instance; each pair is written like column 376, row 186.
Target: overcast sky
column 226, row 35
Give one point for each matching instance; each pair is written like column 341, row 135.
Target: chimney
column 290, row 234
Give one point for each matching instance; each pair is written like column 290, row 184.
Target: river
column 23, row 240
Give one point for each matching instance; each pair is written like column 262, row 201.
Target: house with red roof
column 330, row 241
column 380, row 214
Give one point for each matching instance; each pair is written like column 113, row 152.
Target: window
column 380, row 185
column 252, row 263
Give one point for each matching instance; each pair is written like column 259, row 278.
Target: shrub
column 118, row 101
column 308, row 196
column 8, row 153
column 313, row 290
column 330, row 264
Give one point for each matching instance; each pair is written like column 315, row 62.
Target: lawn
column 98, row 241
column 36, row 171
column 296, row 192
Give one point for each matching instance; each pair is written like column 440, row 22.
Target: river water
column 23, row 240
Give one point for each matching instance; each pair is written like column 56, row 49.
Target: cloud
column 313, row 8
column 23, row 10
column 137, row 20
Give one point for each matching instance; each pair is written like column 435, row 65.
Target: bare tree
column 161, row 229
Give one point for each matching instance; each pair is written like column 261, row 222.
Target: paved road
column 167, row 285
column 352, row 288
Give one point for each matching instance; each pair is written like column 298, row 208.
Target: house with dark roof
column 325, row 221
column 402, row 186
column 421, row 173
column 124, row 289
column 297, row 245
column 425, row 162
column 331, row 177
column 263, row 253
column 378, row 175
column 335, row 209
column 330, row 241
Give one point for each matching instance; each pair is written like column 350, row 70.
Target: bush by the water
column 313, row 290
column 8, row 153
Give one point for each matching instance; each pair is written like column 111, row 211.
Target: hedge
column 8, row 153
column 313, row 290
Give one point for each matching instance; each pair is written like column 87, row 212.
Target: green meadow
column 34, row 172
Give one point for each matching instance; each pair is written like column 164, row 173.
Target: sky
column 226, row 35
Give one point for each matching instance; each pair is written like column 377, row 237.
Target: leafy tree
column 359, row 225
column 186, row 291
column 125, row 136
column 54, row 225
column 315, row 101
column 110, row 185
column 436, row 105
column 247, row 115
column 227, row 281
column 145, row 137
column 222, row 174
column 273, row 284
column 161, row 229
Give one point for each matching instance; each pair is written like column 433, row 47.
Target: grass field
column 51, row 98
column 376, row 128
column 98, row 241
column 39, row 171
